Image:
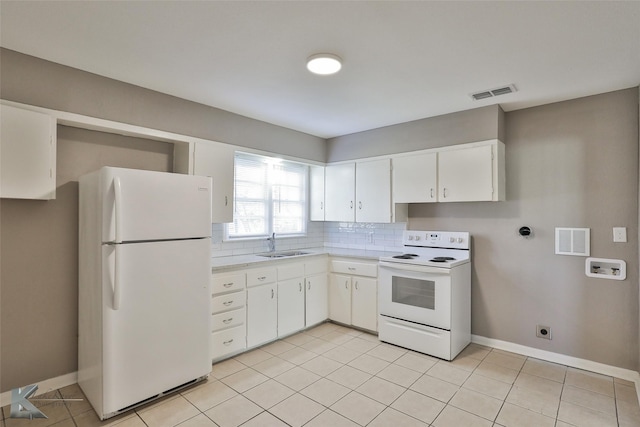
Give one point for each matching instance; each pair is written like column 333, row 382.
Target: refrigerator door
column 142, row 205
column 157, row 337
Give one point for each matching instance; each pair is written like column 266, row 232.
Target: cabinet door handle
column 228, row 285
column 321, row 205
column 227, row 321
column 346, row 284
column 351, row 205
column 360, row 205
column 228, row 342
column 309, row 285
column 444, row 193
column 431, row 193
column 227, row 303
column 300, row 286
column 226, row 200
column 356, row 286
column 271, row 293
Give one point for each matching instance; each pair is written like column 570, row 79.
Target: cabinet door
column 216, row 161
column 290, row 306
column 466, row 175
column 262, row 314
column 27, row 154
column 340, row 192
column 316, row 197
column 340, row 298
column 415, row 178
column 364, row 306
column 317, row 299
column 373, row 191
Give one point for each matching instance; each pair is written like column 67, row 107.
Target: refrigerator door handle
column 116, row 279
column 117, row 188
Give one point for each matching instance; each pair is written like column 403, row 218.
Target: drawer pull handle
column 227, row 321
column 346, row 284
column 227, row 303
column 228, row 342
column 351, row 268
column 228, row 285
column 262, row 277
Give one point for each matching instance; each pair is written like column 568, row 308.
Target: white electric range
column 424, row 294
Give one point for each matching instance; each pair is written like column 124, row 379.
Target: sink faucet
column 271, row 241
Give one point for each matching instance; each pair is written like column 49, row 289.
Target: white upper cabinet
column 27, row 154
column 217, row 160
column 340, row 192
column 359, row 192
column 471, row 173
column 415, row 178
column 373, row 191
column 316, row 199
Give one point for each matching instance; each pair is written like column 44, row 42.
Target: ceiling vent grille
column 493, row 92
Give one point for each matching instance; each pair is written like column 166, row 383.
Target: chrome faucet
column 271, row 241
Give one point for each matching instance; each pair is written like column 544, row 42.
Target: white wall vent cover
column 493, row 92
column 573, row 241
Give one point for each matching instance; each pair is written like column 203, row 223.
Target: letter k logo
column 21, row 407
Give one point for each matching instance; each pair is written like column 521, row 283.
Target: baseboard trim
column 44, row 386
column 562, row 359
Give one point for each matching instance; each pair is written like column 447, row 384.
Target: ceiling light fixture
column 324, row 64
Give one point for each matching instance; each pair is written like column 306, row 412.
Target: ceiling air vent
column 493, row 92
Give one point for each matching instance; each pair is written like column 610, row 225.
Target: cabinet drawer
column 228, row 319
column 228, row 302
column 354, row 268
column 290, row 271
column 261, row 276
column 228, row 341
column 315, row 266
column 228, row 282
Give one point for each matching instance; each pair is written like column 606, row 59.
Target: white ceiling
column 402, row 60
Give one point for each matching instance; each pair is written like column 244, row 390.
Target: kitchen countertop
column 253, row 260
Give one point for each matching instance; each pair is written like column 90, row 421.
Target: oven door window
column 415, row 292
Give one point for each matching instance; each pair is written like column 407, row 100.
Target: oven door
column 415, row 293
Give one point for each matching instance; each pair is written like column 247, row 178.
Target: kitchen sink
column 282, row 254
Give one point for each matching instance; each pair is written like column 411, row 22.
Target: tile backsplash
column 367, row 236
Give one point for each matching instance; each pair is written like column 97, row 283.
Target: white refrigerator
column 144, row 271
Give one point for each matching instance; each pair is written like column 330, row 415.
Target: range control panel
column 436, row 239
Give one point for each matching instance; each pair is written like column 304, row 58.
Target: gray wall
column 34, row 81
column 569, row 164
column 456, row 128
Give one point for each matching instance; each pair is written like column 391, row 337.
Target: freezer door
column 156, row 335
column 142, row 205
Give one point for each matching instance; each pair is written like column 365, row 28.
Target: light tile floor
column 332, row 376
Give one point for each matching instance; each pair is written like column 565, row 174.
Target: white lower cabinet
column 316, row 299
column 262, row 306
column 228, row 314
column 353, row 293
column 290, row 306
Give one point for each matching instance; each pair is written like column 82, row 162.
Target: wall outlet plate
column 543, row 332
column 620, row 234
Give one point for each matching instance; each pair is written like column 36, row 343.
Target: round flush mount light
column 324, row 64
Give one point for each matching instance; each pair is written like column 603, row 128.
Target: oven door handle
column 415, row 268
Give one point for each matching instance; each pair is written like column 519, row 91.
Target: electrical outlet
column 543, row 332
column 620, row 234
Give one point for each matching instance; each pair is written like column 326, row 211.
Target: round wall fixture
column 324, row 64
column 524, row 231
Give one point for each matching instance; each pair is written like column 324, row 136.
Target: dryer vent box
column 573, row 241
